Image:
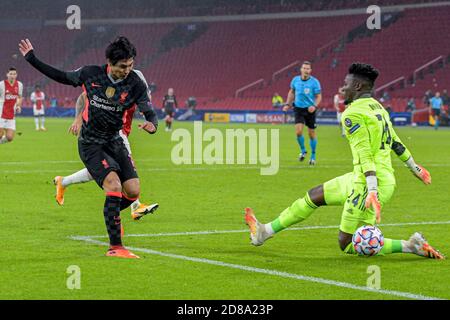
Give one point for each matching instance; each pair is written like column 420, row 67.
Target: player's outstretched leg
column 416, row 244
column 138, row 209
column 420, row 246
column 258, row 231
column 297, row 212
column 62, row 183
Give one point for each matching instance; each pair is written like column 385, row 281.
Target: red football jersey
column 339, row 98
column 38, row 97
column 9, row 93
column 127, row 120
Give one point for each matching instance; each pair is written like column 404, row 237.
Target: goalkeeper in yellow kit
column 370, row 186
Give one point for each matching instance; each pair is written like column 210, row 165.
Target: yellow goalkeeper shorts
column 343, row 191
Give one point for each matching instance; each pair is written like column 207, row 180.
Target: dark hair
column 121, row 48
column 364, row 71
column 12, row 69
column 307, row 63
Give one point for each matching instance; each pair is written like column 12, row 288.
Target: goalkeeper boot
column 420, row 246
column 258, row 233
column 59, row 190
column 120, row 252
column 142, row 210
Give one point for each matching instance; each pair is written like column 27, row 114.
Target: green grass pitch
column 296, row 264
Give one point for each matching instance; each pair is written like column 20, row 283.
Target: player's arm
column 69, row 78
column 18, row 106
column 317, row 101
column 317, row 90
column 405, row 155
column 359, row 138
column 151, row 119
column 75, row 127
column 289, row 100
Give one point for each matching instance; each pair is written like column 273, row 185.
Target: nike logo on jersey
column 94, row 85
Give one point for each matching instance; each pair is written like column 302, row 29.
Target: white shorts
column 37, row 112
column 339, row 116
column 8, row 124
column 125, row 141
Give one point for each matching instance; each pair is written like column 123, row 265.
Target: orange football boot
column 59, row 190
column 120, row 252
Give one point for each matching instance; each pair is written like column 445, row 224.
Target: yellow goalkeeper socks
column 298, row 211
column 390, row 246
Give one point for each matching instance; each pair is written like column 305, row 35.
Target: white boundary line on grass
column 188, row 168
column 206, row 232
column 273, row 272
column 89, row 239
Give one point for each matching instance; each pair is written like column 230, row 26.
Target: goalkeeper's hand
column 421, row 173
column 372, row 201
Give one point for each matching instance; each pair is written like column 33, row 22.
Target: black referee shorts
column 100, row 160
column 436, row 112
column 302, row 115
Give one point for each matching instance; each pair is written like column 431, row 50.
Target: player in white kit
column 38, row 98
column 11, row 92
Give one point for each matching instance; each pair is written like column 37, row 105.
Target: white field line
column 169, row 234
column 276, row 273
column 34, row 162
column 188, row 168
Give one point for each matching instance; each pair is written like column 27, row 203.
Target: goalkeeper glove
column 372, row 201
column 420, row 172
column 372, row 197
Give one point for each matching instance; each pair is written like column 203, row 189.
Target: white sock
column 135, row 205
column 42, row 122
column 269, row 229
column 81, row 176
column 36, row 121
column 3, row 140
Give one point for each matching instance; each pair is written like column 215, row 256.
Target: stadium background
column 234, row 55
column 196, row 246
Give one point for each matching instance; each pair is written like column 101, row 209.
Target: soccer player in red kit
column 339, row 105
column 11, row 91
